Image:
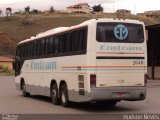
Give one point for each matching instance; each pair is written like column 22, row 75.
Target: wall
column 157, row 72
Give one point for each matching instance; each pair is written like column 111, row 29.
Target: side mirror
column 13, row 65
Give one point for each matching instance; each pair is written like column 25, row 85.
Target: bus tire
column 54, row 94
column 64, row 96
column 24, row 93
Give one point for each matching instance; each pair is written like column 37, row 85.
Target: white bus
column 101, row 60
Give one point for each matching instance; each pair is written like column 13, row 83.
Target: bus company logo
column 41, row 65
column 119, row 48
column 121, row 32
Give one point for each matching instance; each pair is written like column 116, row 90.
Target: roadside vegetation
column 4, row 70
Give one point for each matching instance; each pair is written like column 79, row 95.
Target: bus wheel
column 24, row 93
column 54, row 94
column 64, row 96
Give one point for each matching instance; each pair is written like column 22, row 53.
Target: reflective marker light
column 93, row 80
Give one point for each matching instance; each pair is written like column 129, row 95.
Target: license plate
column 120, row 94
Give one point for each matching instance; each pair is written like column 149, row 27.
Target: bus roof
column 63, row 29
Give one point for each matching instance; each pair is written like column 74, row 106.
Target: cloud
column 84, row 1
column 34, row 4
column 3, row 2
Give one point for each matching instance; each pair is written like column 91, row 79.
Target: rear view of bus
column 99, row 60
column 121, row 60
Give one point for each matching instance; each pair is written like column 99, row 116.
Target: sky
column 136, row 6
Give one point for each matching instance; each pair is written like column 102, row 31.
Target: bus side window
column 55, row 42
column 26, row 50
column 62, row 43
column 51, row 46
column 80, row 47
column 38, row 49
column 76, row 44
column 34, row 49
column 84, row 45
column 98, row 34
column 68, row 42
column 50, row 42
column 18, row 51
column 31, row 49
column 59, row 39
column 47, row 46
column 22, row 51
column 65, row 43
column 72, row 41
column 42, row 47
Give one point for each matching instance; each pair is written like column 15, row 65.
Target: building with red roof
column 6, row 62
column 79, row 8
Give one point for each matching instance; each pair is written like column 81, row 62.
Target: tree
column 51, row 9
column 8, row 11
column 27, row 9
column 1, row 11
column 97, row 8
column 18, row 12
column 35, row 11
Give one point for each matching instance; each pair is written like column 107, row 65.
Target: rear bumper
column 118, row 93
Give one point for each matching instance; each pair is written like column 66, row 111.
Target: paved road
column 11, row 101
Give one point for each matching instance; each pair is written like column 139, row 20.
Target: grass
column 20, row 27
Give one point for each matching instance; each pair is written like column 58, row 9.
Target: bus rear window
column 120, row 32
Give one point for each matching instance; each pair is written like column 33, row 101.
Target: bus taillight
column 93, row 80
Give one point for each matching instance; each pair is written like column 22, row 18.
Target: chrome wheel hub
column 54, row 94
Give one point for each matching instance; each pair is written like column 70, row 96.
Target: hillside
column 7, row 45
column 20, row 27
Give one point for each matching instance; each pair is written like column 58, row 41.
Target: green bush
column 1, row 67
column 4, row 69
